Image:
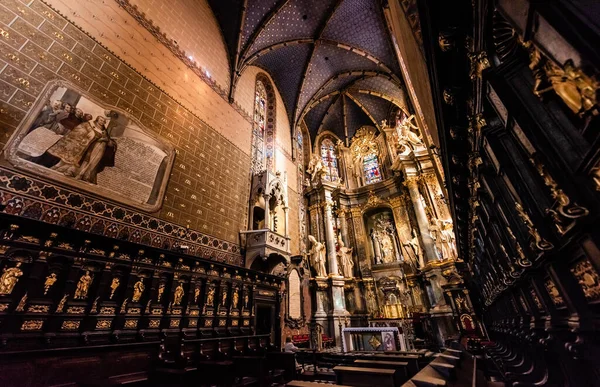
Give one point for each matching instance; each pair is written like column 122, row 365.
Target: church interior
column 299, row 192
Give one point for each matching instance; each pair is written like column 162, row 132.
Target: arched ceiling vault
column 332, row 60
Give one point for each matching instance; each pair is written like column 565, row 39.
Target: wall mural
column 70, row 137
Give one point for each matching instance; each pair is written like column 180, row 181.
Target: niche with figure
column 384, row 243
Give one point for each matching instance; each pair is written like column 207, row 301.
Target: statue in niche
column 114, row 285
column 138, row 290
column 371, row 301
column 246, row 300
column 210, row 297
column 315, row 167
column 235, row 298
column 9, row 279
column 384, row 240
column 161, row 289
column 448, row 240
column 50, row 280
column 83, row 286
column 178, row 295
column 414, row 247
column 196, row 294
column 461, row 304
column 345, row 258
column 407, row 139
column 317, row 256
column 224, row 297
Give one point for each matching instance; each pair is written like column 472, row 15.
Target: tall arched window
column 329, row 160
column 258, row 128
column 371, row 168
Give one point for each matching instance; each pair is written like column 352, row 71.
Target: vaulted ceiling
column 332, row 60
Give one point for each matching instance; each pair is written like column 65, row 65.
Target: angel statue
column 345, row 258
column 315, row 167
column 317, row 256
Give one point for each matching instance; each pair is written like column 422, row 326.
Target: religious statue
column 406, row 137
column 371, row 301
column 50, row 280
column 224, row 297
column 138, row 290
column 461, row 304
column 317, row 256
column 235, row 298
column 113, row 286
column 61, row 304
column 161, row 289
column 448, row 240
column 9, row 279
column 345, row 258
column 210, row 297
column 83, row 286
column 178, row 295
column 246, row 300
column 414, row 247
column 196, row 294
column 315, row 167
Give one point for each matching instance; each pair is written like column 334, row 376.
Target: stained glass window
column 371, row 168
column 258, row 128
column 329, row 160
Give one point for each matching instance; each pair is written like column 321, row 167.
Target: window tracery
column 330, row 161
column 371, row 169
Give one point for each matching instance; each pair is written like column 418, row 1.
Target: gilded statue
column 315, row 167
column 138, row 290
column 345, row 258
column 224, row 297
column 114, row 286
column 196, row 294
column 178, row 295
column 246, row 300
column 235, row 298
column 83, row 286
column 161, row 290
column 317, row 256
column 9, row 279
column 61, row 304
column 210, row 297
column 461, row 304
column 50, row 280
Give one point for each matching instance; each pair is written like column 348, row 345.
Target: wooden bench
column 366, row 377
column 400, row 366
column 413, row 361
column 299, row 383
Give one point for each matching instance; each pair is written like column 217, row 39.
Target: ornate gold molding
column 537, row 240
column 479, row 62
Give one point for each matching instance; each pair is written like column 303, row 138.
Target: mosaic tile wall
column 208, row 187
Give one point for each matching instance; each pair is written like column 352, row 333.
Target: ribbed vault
column 332, row 60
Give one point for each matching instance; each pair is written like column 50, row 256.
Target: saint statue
column 406, row 137
column 83, row 286
column 138, row 290
column 317, row 256
column 345, row 258
column 246, row 300
column 210, row 297
column 371, row 301
column 50, row 280
column 414, row 247
column 448, row 240
column 161, row 289
column 224, row 297
column 113, row 286
column 178, row 295
column 235, row 298
column 9, row 279
column 315, row 167
column 196, row 294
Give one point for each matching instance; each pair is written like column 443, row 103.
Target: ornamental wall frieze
column 35, row 199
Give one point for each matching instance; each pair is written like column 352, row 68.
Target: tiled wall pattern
column 208, row 186
column 195, row 29
column 116, row 29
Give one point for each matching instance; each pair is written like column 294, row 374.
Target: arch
column 324, row 134
column 264, row 125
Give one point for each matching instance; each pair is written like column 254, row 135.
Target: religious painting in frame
column 72, row 138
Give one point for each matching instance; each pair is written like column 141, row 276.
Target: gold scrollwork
column 131, row 324
column 38, row 308
column 588, row 279
column 70, row 325
column 103, row 324
column 479, row 62
column 564, row 208
column 537, row 240
column 577, row 89
column 32, row 325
